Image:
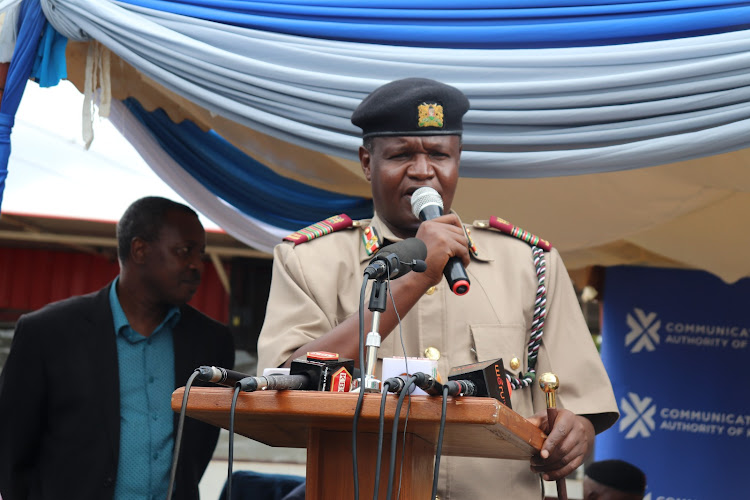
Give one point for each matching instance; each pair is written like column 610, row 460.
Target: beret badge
column 430, row 115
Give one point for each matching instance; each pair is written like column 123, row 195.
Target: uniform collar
column 386, row 237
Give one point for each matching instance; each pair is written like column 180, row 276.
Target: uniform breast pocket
column 500, row 341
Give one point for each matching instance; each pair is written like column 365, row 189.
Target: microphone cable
column 178, row 437
column 394, row 435
column 395, row 385
column 439, row 442
column 361, row 396
column 230, row 458
column 403, row 444
column 399, row 380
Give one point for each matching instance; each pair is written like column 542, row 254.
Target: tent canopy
column 616, row 130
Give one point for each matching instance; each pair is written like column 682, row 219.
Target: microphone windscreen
column 405, row 250
column 411, row 249
column 401, row 255
column 424, row 197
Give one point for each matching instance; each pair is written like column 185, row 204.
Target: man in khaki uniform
column 317, row 278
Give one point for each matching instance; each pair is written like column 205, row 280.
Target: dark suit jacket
column 60, row 401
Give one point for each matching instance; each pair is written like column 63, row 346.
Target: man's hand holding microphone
column 444, row 236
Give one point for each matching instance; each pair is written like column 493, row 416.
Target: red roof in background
column 32, row 278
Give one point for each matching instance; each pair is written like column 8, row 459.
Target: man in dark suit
column 85, row 395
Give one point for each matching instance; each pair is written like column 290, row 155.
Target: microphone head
column 410, row 249
column 425, row 197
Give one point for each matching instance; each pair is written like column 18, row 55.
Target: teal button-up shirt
column 146, row 367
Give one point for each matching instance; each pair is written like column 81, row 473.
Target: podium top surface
column 475, row 427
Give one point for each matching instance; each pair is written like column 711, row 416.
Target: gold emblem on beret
column 430, row 115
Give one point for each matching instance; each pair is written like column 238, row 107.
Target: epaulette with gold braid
column 330, row 225
column 508, row 228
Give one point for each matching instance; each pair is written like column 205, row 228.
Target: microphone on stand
column 391, row 262
column 426, row 204
column 397, row 259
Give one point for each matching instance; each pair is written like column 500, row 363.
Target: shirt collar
column 121, row 321
column 385, row 236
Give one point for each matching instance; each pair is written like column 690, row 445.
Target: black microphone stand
column 378, row 300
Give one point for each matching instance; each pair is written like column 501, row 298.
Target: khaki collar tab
column 371, row 240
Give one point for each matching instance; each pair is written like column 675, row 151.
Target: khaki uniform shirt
column 316, row 285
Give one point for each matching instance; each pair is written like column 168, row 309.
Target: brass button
column 432, row 353
column 431, row 290
column 515, row 364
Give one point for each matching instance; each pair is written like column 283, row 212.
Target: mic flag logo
column 637, row 416
column 644, row 331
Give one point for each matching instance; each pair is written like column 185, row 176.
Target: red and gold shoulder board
column 508, row 228
column 330, row 225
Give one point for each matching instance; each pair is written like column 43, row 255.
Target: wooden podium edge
column 480, row 427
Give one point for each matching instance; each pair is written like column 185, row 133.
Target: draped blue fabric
column 242, row 181
column 50, row 65
column 31, row 21
column 558, row 88
column 473, row 24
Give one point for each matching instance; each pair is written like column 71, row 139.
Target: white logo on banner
column 637, row 416
column 644, row 331
column 647, row 497
column 707, row 335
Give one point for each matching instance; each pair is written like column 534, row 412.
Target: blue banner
column 675, row 344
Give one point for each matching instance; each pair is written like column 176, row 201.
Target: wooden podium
column 322, row 423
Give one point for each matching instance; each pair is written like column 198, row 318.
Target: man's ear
column 365, row 161
column 138, row 249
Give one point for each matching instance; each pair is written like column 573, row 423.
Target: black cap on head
column 619, row 475
column 412, row 106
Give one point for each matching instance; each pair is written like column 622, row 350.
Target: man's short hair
column 618, row 475
column 412, row 106
column 143, row 219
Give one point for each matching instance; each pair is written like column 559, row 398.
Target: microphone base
column 370, row 384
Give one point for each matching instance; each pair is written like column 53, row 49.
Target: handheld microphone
column 319, row 371
column 426, row 204
column 218, row 375
column 488, row 377
column 397, row 259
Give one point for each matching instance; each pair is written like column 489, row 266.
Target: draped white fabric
column 535, row 113
column 249, row 230
column 679, row 214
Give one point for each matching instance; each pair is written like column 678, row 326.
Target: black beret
column 412, row 106
column 619, row 475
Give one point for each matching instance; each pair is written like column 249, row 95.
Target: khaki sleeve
column 293, row 317
column 569, row 352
